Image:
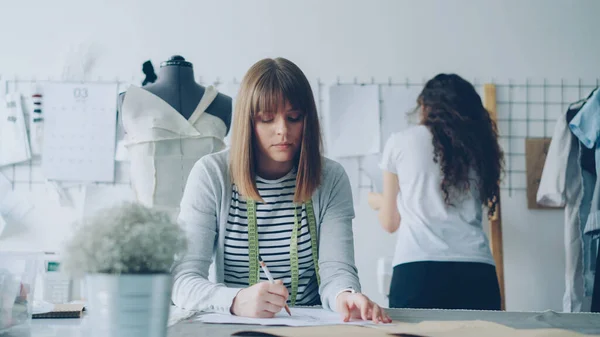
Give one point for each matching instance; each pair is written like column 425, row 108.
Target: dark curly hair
column 465, row 138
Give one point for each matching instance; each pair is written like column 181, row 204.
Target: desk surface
column 587, row 323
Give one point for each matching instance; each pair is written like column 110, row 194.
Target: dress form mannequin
column 176, row 86
column 162, row 147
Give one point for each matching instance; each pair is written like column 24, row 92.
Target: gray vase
column 128, row 305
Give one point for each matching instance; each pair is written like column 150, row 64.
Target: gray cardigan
column 203, row 215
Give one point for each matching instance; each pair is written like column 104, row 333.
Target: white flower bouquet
column 125, row 239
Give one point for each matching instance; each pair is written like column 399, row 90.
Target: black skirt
column 445, row 285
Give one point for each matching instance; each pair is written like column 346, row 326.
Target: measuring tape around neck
column 253, row 246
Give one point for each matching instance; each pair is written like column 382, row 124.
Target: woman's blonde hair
column 267, row 85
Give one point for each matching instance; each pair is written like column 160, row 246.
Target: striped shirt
column 275, row 222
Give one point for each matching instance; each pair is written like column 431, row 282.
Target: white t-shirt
column 429, row 229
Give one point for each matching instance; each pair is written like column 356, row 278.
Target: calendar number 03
column 80, row 93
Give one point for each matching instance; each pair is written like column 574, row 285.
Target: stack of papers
column 300, row 317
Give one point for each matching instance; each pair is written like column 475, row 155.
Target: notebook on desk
column 63, row 311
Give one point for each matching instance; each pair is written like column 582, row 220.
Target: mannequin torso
column 161, row 148
column 177, row 87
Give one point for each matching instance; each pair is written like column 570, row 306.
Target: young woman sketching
column 437, row 176
column 273, row 196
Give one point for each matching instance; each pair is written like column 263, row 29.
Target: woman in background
column 272, row 197
column 437, row 176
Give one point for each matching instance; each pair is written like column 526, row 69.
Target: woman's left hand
column 359, row 306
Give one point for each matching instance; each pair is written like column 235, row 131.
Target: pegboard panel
column 530, row 110
column 525, row 109
column 28, row 176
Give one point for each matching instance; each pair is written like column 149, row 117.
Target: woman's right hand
column 375, row 200
column 262, row 300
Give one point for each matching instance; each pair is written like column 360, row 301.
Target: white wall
column 481, row 39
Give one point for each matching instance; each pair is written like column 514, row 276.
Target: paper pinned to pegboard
column 79, row 131
column 536, row 150
column 13, row 206
column 356, row 130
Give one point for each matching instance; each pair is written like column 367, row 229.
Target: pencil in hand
column 270, row 277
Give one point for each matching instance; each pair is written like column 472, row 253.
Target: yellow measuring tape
column 253, row 246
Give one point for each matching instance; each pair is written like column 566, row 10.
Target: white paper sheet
column 14, row 143
column 353, row 120
column 397, row 104
column 13, row 206
column 121, row 154
column 36, row 120
column 2, row 224
column 79, row 131
column 369, row 165
column 300, row 317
